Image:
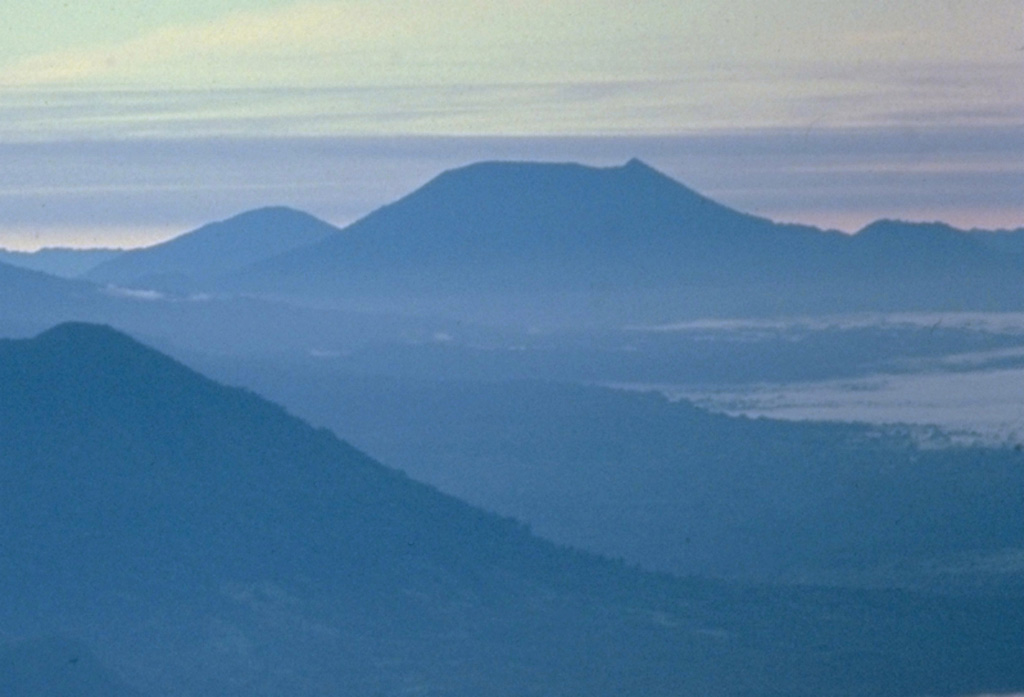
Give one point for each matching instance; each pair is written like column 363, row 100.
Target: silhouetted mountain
column 204, row 542
column 59, row 261
column 214, row 249
column 525, row 240
column 55, row 667
column 538, row 243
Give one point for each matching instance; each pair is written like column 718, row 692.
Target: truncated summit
column 521, row 236
column 572, row 185
column 539, row 205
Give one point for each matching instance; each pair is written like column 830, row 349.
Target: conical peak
column 637, row 165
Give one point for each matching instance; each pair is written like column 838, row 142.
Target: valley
column 532, row 429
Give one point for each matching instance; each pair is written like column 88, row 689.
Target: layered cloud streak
column 533, row 67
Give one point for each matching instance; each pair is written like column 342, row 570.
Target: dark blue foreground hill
column 201, row 541
column 565, row 243
column 55, row 667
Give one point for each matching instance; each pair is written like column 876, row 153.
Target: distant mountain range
column 31, row 301
column 212, row 250
column 180, row 263
column 526, row 244
column 34, row 299
column 59, row 261
column 568, row 244
column 199, row 540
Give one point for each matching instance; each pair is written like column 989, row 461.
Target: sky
column 122, row 122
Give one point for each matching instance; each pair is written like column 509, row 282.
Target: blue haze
column 170, row 535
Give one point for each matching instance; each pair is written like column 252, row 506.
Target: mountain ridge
column 201, row 541
column 573, row 243
column 66, row 262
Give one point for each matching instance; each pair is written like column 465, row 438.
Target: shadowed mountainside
column 201, row 541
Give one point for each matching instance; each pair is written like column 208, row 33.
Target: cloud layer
column 533, row 67
column 142, row 119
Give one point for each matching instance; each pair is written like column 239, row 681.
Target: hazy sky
column 124, row 121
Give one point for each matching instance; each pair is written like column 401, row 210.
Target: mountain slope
column 214, row 249
column 32, row 299
column 204, row 542
column 565, row 243
column 59, row 261
column 677, row 488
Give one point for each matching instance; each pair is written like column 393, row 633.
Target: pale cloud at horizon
column 141, row 191
column 825, row 113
